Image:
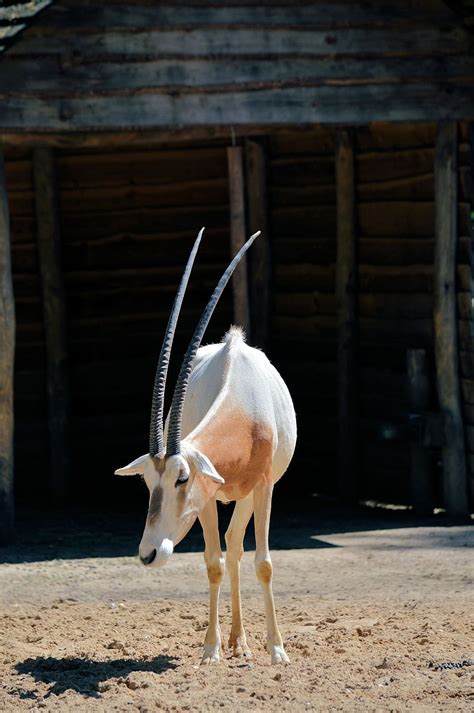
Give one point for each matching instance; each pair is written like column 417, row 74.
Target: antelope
column 230, row 436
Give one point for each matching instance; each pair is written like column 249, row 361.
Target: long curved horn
column 176, row 411
column 156, row 440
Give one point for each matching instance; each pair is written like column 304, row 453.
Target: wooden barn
column 340, row 129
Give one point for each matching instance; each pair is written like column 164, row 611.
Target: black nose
column 149, row 558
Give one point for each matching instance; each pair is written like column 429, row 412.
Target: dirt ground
column 365, row 604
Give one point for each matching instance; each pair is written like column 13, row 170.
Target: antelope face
column 179, row 488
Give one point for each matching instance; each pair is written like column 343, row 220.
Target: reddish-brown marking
column 215, row 572
column 240, row 450
column 265, row 571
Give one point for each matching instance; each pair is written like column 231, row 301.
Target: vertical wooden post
column 470, row 198
column 238, row 235
column 260, row 255
column 444, row 317
column 347, row 465
column 7, row 353
column 54, row 311
column 421, row 476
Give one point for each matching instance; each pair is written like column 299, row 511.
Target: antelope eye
column 183, row 478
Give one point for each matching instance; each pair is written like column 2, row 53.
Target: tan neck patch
column 240, row 450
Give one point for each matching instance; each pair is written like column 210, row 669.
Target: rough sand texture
column 362, row 613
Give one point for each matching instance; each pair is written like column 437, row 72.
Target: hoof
column 209, row 660
column 239, row 647
column 211, row 654
column 278, row 655
column 241, row 651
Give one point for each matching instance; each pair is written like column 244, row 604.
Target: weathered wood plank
column 141, row 168
column 302, row 276
column 444, row 317
column 260, row 256
column 421, row 472
column 7, row 351
column 347, row 466
column 241, row 41
column 105, row 199
column 416, row 188
column 405, row 333
column 265, row 108
column 406, row 251
column 376, row 220
column 238, row 235
column 304, row 303
column 51, row 78
column 412, row 305
column 133, row 16
column 411, row 278
column 54, row 319
column 171, row 220
column 298, row 171
column 467, row 386
column 303, row 195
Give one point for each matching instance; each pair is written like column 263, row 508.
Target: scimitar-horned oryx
column 230, row 435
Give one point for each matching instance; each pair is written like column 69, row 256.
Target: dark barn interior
column 357, row 163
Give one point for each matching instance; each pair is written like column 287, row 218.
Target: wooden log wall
column 30, row 396
column 394, row 173
column 144, row 65
column 395, row 192
column 303, row 329
column 128, row 221
column 395, row 241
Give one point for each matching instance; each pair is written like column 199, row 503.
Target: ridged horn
column 156, row 441
column 176, row 411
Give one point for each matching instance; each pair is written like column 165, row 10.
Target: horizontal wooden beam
column 296, row 106
column 255, row 41
column 137, row 138
column 266, row 14
column 50, row 77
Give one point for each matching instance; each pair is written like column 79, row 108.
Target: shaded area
column 84, row 675
column 299, row 524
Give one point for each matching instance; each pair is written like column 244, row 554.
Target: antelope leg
column 215, row 571
column 262, row 499
column 234, row 538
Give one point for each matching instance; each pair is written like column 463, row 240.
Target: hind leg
column 234, row 538
column 262, row 498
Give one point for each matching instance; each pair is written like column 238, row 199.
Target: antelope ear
column 206, row 468
column 136, row 467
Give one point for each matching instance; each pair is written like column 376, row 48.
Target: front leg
column 215, row 571
column 262, row 499
column 234, row 538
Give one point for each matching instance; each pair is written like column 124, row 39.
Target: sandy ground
column 365, row 605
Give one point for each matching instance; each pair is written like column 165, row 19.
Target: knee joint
column 215, row 571
column 264, row 571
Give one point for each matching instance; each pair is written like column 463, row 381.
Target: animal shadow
column 84, row 675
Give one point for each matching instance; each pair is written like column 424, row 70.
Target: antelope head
column 180, row 479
